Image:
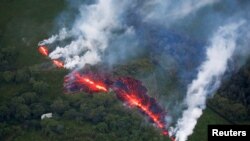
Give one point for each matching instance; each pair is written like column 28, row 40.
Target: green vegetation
column 235, row 93
column 23, row 23
column 236, row 113
column 28, row 89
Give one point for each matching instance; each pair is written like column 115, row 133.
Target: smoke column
column 208, row 78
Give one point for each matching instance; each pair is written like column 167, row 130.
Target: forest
column 30, row 86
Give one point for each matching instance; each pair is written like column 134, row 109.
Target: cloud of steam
column 208, row 78
column 95, row 29
column 90, row 33
column 61, row 36
column 171, row 11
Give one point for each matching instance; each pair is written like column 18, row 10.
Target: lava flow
column 128, row 90
column 58, row 63
column 131, row 92
column 91, row 84
column 43, row 50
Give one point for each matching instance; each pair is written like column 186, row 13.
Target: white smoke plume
column 61, row 36
column 93, row 29
column 171, row 11
column 91, row 33
column 222, row 47
column 100, row 24
column 104, row 25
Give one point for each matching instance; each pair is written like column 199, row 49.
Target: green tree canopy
column 8, row 76
column 40, row 87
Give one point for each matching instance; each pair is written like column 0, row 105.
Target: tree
column 97, row 114
column 8, row 56
column 22, row 75
column 236, row 112
column 4, row 130
column 1, row 77
column 29, row 97
column 22, row 112
column 102, row 127
column 8, row 76
column 51, row 126
column 71, row 114
column 17, row 100
column 102, row 137
column 46, row 125
column 4, row 113
column 40, row 87
column 37, row 109
column 59, row 106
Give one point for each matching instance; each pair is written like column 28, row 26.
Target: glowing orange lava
column 130, row 91
column 93, row 86
column 58, row 63
column 134, row 101
column 43, row 50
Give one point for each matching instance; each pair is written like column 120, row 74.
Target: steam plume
column 90, row 33
column 94, row 30
column 208, row 78
column 121, row 25
column 171, row 11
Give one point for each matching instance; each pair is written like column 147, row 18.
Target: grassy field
column 23, row 23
